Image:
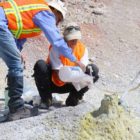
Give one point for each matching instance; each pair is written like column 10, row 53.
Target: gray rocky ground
column 111, row 31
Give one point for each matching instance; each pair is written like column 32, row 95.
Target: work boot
column 72, row 99
column 22, row 113
column 45, row 105
column 15, row 90
column 47, row 102
column 16, row 104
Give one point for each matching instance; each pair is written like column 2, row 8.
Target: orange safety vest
column 20, row 13
column 78, row 52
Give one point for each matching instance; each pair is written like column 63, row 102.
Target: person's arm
column 45, row 20
column 55, row 62
column 54, row 59
column 84, row 59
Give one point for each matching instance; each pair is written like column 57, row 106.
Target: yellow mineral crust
column 109, row 122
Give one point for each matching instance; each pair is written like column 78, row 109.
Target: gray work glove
column 92, row 70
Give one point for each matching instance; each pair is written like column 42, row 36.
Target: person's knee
column 42, row 73
column 40, row 67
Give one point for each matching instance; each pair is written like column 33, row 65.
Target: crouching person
column 47, row 74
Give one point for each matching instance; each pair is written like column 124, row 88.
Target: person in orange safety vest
column 19, row 20
column 47, row 76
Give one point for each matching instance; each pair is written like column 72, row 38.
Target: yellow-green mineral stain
column 109, row 122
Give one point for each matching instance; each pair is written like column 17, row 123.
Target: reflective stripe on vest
column 15, row 11
column 18, row 19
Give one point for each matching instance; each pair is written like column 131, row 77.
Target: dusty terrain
column 111, row 31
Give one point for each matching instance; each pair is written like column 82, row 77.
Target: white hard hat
column 58, row 5
column 72, row 31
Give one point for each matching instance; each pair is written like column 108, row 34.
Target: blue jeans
column 12, row 58
column 10, row 53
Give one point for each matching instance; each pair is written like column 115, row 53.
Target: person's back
column 20, row 20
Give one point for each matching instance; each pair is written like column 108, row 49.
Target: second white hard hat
column 58, row 5
column 72, row 31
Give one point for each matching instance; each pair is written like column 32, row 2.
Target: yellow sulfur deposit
column 109, row 122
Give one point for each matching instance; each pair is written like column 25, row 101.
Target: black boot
column 72, row 99
column 47, row 103
column 15, row 90
column 16, row 103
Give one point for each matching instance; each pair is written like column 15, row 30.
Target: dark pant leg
column 82, row 92
column 72, row 98
column 15, row 90
column 42, row 75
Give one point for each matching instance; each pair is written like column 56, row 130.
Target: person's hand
column 81, row 65
column 93, row 71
